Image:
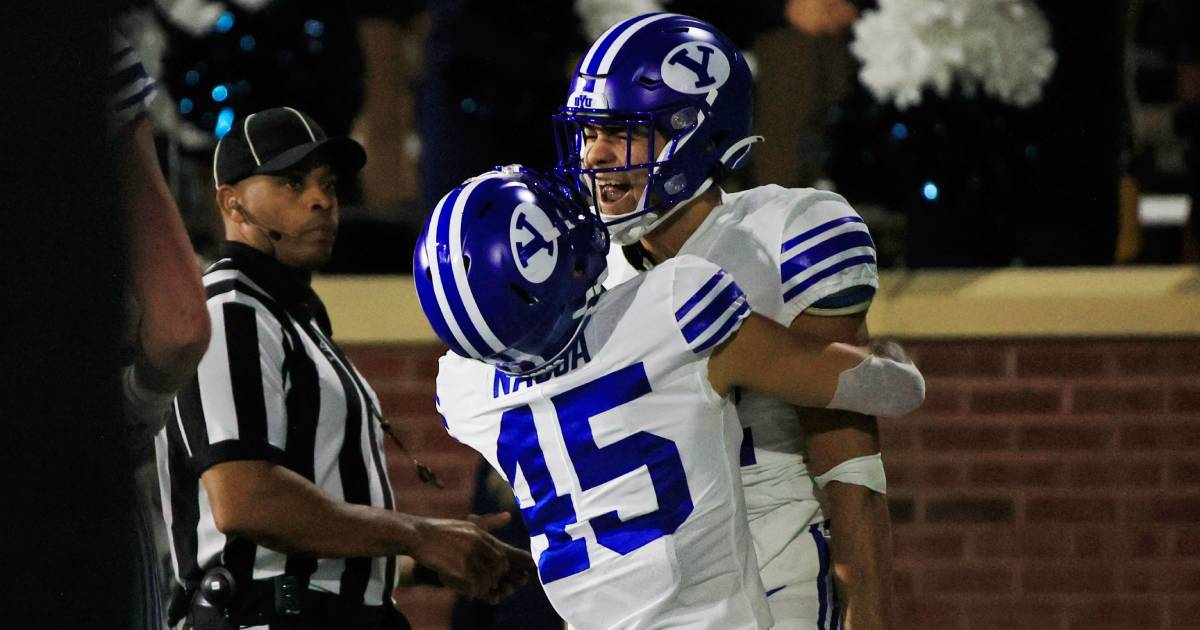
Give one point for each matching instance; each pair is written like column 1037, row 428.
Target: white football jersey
column 624, row 460
column 787, row 249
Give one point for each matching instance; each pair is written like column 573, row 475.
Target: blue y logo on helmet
column 695, row 68
column 532, row 235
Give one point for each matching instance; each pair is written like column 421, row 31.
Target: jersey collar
column 287, row 285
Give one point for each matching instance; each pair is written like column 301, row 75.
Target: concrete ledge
column 1066, row 302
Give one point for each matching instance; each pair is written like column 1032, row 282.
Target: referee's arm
column 235, row 411
column 278, row 509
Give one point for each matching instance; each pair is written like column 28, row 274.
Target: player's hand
column 465, row 557
column 889, row 350
column 820, row 17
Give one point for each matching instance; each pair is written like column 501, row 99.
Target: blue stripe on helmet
column 449, row 285
column 434, row 314
column 600, row 48
column 427, row 295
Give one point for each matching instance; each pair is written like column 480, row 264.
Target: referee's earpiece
column 274, row 235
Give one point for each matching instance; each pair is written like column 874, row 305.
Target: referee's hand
column 466, row 557
column 520, row 564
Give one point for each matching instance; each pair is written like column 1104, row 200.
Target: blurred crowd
column 438, row 91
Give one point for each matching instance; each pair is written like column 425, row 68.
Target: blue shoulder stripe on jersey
column 124, row 51
column 124, row 75
column 726, row 329
column 714, row 313
column 449, row 285
column 146, row 92
column 824, row 227
column 825, row 273
column 824, row 250
column 699, row 295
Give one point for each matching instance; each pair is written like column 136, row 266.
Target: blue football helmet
column 508, row 266
column 669, row 73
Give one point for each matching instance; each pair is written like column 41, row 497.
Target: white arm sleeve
column 880, row 387
column 866, row 471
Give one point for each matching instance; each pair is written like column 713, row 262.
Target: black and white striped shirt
column 273, row 386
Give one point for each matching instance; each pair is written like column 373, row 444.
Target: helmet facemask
column 666, row 186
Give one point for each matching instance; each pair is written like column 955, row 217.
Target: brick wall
column 1045, row 484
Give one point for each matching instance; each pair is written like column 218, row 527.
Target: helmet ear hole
column 523, row 294
column 467, row 263
column 717, row 140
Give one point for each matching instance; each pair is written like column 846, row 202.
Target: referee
column 275, row 490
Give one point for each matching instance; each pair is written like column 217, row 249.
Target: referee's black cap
column 274, row 140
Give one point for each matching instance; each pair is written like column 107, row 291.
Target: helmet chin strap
column 629, row 232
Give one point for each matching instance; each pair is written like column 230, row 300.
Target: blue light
column 1031, row 152
column 224, row 122
column 469, row 105
column 247, row 43
column 899, row 131
column 220, row 93
column 930, row 190
column 186, row 105
column 191, row 77
column 225, row 22
column 314, row 28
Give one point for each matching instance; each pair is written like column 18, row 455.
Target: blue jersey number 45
column 594, row 466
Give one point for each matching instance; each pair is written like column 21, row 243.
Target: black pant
column 321, row 612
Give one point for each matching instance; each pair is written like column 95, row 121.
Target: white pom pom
column 598, row 15
column 1001, row 47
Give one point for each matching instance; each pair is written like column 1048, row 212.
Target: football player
column 608, row 412
column 658, row 113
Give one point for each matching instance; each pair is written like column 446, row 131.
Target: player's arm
column 276, row 508
column 798, row 366
column 829, row 276
column 808, row 371
column 173, row 328
column 844, row 455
